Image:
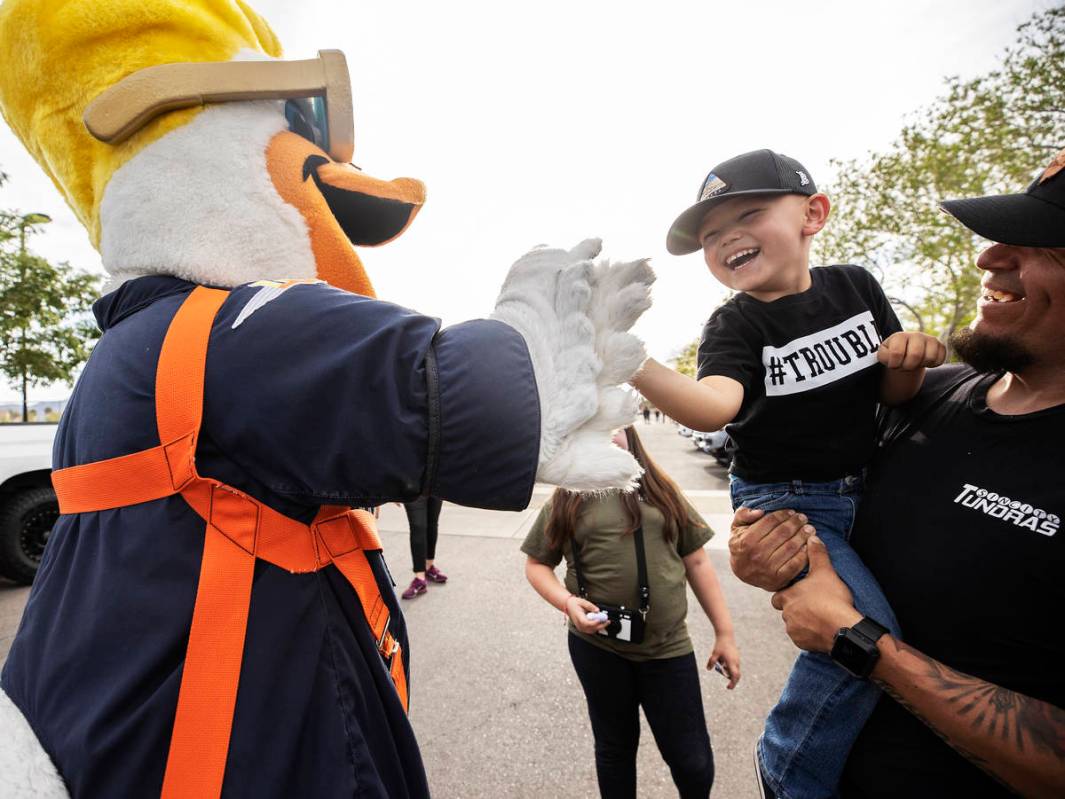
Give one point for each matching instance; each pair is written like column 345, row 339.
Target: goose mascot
column 213, row 616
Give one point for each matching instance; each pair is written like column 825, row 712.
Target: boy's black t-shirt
column 961, row 526
column 810, row 375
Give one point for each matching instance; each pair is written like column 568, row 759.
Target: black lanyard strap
column 641, row 570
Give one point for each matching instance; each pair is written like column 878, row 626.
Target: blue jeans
column 822, row 708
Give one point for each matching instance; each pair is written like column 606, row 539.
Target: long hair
column 654, row 487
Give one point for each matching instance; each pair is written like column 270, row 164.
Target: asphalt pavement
column 494, row 699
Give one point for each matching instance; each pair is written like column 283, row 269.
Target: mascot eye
column 307, row 118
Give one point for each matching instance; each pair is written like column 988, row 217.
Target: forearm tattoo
column 1013, row 720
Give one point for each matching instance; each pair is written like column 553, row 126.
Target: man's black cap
column 1033, row 219
column 758, row 172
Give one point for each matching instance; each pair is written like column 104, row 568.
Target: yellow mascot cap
column 56, row 56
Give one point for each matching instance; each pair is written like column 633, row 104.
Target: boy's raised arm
column 706, row 405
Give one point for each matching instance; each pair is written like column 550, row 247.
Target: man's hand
column 768, row 550
column 816, row 607
column 909, row 351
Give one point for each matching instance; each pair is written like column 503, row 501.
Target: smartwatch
column 854, row 648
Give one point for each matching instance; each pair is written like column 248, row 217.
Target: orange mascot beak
column 342, row 206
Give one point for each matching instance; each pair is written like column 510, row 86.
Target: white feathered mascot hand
column 574, row 316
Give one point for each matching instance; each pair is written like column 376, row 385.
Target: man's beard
column 991, row 354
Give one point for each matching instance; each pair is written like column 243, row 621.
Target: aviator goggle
column 317, row 92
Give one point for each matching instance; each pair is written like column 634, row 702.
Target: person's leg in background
column 418, row 522
column 432, row 524
column 609, row 683
column 673, row 703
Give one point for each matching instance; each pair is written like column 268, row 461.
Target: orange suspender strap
column 126, row 480
column 207, row 697
column 347, row 550
column 239, row 529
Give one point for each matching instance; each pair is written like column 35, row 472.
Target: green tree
column 686, row 362
column 45, row 333
column 987, row 135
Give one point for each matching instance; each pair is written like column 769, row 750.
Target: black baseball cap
column 758, row 172
column 1033, row 219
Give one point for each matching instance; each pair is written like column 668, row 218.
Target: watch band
column 870, row 629
column 854, row 648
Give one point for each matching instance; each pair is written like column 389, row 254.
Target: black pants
column 422, row 516
column 668, row 690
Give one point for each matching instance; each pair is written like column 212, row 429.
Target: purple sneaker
column 434, row 575
column 417, row 586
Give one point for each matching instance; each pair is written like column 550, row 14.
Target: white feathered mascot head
column 195, row 159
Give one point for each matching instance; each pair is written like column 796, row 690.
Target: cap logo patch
column 713, row 185
column 1055, row 166
column 803, row 180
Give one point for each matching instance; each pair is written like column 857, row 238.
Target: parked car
column 720, row 447
column 699, row 440
column 28, row 507
column 684, row 431
column 717, row 444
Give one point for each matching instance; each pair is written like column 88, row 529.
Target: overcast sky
column 549, row 122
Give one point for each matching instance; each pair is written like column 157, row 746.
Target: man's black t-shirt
column 810, row 375
column 961, row 526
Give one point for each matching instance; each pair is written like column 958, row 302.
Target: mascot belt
column 239, row 530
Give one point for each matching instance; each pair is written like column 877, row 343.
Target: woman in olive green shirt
column 659, row 673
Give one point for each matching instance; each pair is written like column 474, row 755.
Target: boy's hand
column 909, row 351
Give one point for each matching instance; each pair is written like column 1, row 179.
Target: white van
column 28, row 507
